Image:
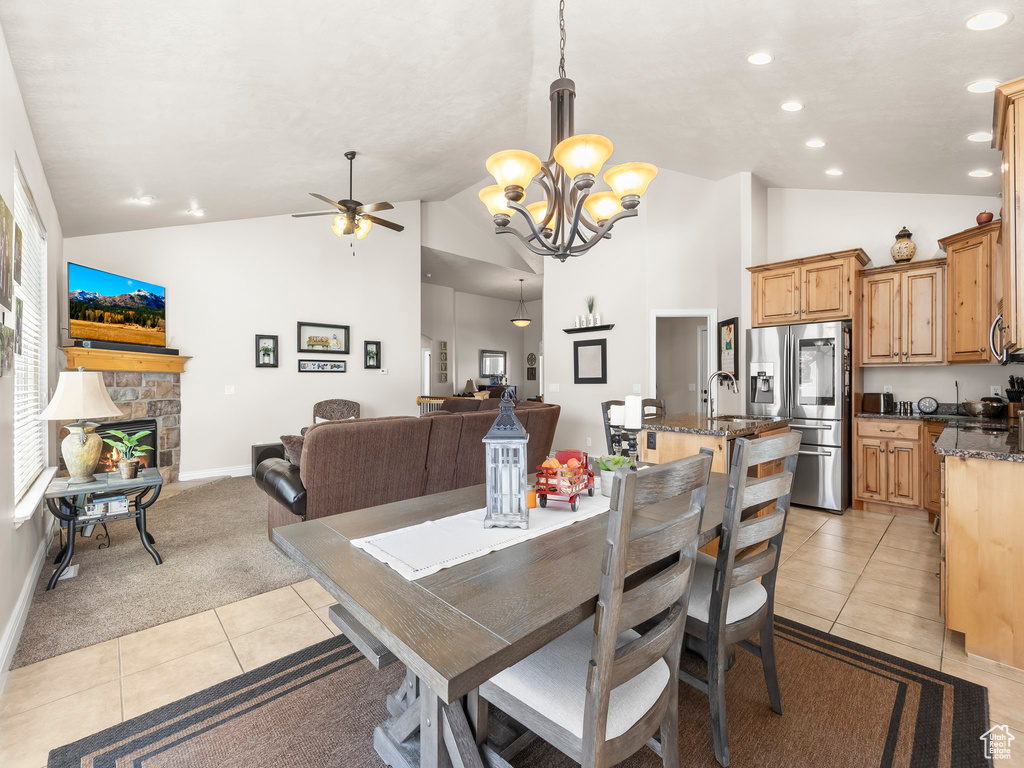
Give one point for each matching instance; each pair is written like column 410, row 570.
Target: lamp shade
column 339, row 226
column 363, row 228
column 630, row 178
column 494, row 198
column 538, row 211
column 80, row 395
column 602, row 205
column 583, row 153
column 513, row 167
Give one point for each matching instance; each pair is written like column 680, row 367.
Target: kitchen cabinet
column 901, row 310
column 809, row 290
column 887, row 466
column 932, row 467
column 970, row 258
column 1008, row 136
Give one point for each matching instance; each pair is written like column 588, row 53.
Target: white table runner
column 426, row 548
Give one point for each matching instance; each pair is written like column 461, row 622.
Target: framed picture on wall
column 590, row 361
column 371, row 354
column 322, row 366
column 322, row 337
column 6, row 255
column 531, row 373
column 266, row 350
column 728, row 346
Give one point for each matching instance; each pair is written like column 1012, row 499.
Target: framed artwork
column 728, row 346
column 19, row 308
column 531, row 373
column 266, row 351
column 17, row 254
column 443, row 378
column 322, row 337
column 371, row 354
column 443, row 346
column 7, row 340
column 322, row 366
column 590, row 361
column 6, row 255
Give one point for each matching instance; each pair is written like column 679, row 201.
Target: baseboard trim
column 240, row 470
column 12, row 632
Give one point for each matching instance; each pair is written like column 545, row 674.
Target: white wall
column 483, row 322
column 437, row 321
column 228, row 281
column 533, row 336
column 21, row 549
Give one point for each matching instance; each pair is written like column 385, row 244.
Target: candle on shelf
column 634, row 412
column 616, row 415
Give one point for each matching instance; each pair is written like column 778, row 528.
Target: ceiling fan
column 355, row 218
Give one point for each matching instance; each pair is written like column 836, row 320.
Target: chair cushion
column 744, row 600
column 553, row 681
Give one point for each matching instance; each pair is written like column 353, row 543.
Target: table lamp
column 80, row 395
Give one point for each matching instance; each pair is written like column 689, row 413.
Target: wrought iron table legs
column 147, row 540
column 69, row 552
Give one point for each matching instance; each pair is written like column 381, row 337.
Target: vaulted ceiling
column 244, row 109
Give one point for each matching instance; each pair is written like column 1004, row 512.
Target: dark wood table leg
column 69, row 552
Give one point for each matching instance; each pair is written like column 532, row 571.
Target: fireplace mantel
column 93, row 359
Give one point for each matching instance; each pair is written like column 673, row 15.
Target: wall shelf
column 590, row 328
column 117, row 360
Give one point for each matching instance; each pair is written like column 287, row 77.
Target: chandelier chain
column 561, row 33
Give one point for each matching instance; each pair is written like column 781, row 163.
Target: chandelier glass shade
column 573, row 216
column 521, row 318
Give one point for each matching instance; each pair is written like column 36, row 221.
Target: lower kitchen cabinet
column 888, row 462
column 932, row 467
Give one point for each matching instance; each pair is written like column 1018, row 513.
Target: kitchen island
column 678, row 435
column 982, row 545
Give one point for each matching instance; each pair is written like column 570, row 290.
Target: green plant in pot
column 129, row 451
column 267, row 353
column 608, row 465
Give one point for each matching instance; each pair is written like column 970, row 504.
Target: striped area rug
column 845, row 706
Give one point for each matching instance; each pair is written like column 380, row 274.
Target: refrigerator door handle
column 786, row 373
column 815, row 453
column 830, row 425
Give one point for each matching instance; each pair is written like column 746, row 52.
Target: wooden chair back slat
column 637, row 655
column 765, row 489
column 654, row 595
column 658, row 543
column 767, row 449
column 753, row 566
column 760, row 529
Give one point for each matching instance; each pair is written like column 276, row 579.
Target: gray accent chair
column 727, row 603
column 336, row 410
column 603, row 690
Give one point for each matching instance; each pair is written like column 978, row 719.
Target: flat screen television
column 103, row 306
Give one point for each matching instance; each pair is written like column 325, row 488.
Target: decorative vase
column 129, row 468
column 904, row 248
column 597, row 318
column 576, row 321
column 984, row 217
column 81, row 450
column 607, row 478
column 590, row 320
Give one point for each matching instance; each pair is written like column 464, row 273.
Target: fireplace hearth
column 109, row 457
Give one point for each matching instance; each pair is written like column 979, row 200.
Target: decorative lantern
column 904, row 248
column 505, row 444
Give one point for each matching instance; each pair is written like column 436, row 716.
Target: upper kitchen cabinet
column 811, row 290
column 901, row 314
column 970, row 258
column 1008, row 135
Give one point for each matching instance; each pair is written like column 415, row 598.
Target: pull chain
column 561, row 33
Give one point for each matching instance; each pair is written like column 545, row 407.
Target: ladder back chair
column 601, row 691
column 609, row 430
column 653, row 406
column 727, row 603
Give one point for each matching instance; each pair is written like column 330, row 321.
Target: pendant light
column 522, row 319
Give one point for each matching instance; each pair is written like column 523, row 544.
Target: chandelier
column 556, row 225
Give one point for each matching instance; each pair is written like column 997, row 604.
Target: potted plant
column 371, row 356
column 590, row 311
column 608, row 465
column 129, row 450
column 267, row 353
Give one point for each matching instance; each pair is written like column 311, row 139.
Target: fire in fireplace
column 109, row 457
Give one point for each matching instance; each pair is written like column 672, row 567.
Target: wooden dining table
column 457, row 628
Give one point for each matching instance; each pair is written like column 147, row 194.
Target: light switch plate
column 996, row 390
column 887, row 389
column 229, row 389
column 553, row 388
column 693, row 387
column 637, row 389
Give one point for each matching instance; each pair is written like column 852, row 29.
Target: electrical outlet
column 383, row 371
column 996, row 390
column 229, row 389
column 553, row 388
column 589, row 442
column 887, row 389
column 637, row 389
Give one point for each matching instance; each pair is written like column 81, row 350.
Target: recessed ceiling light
column 760, row 59
column 980, row 136
column 197, row 211
column 145, row 199
column 834, row 172
column 815, row 143
column 987, row 20
column 981, row 173
column 983, row 86
column 792, row 106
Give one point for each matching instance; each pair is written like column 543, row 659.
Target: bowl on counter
column 983, row 409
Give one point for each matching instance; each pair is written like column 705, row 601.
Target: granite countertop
column 721, row 426
column 949, row 418
column 980, row 441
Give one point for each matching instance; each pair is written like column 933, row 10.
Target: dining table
column 458, row 627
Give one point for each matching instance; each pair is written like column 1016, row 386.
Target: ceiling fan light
column 513, row 168
column 630, row 178
column 494, row 198
column 363, row 228
column 583, row 155
column 602, row 205
column 338, row 227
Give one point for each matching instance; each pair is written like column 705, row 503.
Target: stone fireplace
column 157, row 396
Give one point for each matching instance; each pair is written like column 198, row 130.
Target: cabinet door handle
column 890, row 450
column 886, row 430
column 895, row 354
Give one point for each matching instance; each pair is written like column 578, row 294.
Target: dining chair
column 727, row 603
column 609, row 430
column 653, row 406
column 601, row 691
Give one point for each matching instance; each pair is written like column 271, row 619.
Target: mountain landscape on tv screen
column 135, row 317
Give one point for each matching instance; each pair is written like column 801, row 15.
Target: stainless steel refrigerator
column 802, row 372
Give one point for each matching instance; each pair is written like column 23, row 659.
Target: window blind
column 30, row 366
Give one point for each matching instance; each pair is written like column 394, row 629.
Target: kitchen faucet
column 711, row 398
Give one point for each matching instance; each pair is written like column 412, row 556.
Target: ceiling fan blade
column 322, row 213
column 384, row 222
column 374, row 207
column 328, row 201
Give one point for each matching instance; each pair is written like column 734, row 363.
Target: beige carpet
column 213, row 541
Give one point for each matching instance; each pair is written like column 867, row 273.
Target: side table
column 67, row 502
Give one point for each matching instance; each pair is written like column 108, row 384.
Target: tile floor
column 864, row 576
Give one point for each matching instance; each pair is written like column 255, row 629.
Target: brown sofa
column 362, row 463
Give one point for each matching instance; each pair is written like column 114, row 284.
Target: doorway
column 425, row 372
column 682, row 357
